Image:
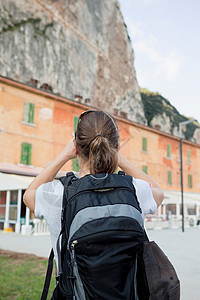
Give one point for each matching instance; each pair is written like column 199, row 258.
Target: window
column 188, row 156
column 13, row 205
column 168, row 151
column 170, row 209
column 169, row 177
column 191, row 209
column 2, row 205
column 75, row 166
column 189, row 180
column 144, row 169
column 144, row 144
column 28, row 115
column 26, row 154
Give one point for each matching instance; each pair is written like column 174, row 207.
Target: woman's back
column 96, row 145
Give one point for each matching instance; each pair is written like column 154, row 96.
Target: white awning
column 10, row 182
column 174, row 197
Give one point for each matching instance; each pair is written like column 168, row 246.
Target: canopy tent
column 9, row 182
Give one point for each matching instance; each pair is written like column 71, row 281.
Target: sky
column 165, row 36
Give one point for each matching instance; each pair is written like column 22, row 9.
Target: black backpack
column 102, row 240
column 105, row 253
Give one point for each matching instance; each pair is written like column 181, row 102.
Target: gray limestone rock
column 71, row 48
column 161, row 122
column 196, row 136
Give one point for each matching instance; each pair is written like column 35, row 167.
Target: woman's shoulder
column 54, row 187
column 145, row 196
column 141, row 184
column 48, row 195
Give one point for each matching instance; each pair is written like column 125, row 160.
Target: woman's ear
column 76, row 147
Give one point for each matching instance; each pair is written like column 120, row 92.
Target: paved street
column 183, row 249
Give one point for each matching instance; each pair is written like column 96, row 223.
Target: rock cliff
column 161, row 115
column 78, row 49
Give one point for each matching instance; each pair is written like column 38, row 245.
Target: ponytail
column 102, row 157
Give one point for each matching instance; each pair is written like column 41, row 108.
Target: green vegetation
column 22, row 276
column 8, row 23
column 155, row 104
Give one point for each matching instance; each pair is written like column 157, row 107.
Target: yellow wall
column 54, row 126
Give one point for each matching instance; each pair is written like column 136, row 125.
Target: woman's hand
column 69, row 152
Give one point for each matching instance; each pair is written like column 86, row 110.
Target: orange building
column 35, row 125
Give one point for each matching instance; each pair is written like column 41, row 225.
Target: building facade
column 35, row 125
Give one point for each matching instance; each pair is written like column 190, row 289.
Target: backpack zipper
column 91, row 191
column 90, row 238
column 72, row 247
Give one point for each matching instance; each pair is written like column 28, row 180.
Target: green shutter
column 75, row 123
column 144, row 144
column 28, row 115
column 26, row 112
column 31, row 113
column 189, row 180
column 168, row 150
column 29, row 154
column 169, row 177
column 24, row 151
column 188, row 156
column 144, row 169
column 75, row 165
column 116, row 171
column 75, row 160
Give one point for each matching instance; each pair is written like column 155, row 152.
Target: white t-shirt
column 48, row 204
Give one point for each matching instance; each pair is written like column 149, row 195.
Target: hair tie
column 94, row 139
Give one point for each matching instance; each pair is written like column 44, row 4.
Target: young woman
column 96, row 145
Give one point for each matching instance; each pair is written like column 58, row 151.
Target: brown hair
column 97, row 138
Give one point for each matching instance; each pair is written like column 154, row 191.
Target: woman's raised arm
column 49, row 173
column 130, row 169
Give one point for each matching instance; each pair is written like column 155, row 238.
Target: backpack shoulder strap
column 66, row 182
column 131, row 185
column 48, row 276
column 146, row 238
column 121, row 173
column 67, row 179
column 129, row 178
